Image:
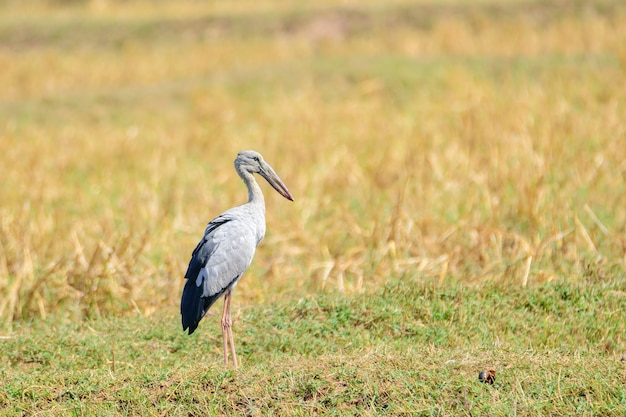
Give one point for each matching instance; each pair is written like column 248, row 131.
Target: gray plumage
column 228, row 246
column 219, row 260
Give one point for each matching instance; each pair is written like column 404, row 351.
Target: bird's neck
column 255, row 195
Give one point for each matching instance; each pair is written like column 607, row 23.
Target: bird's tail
column 192, row 307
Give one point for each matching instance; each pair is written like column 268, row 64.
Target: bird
column 226, row 250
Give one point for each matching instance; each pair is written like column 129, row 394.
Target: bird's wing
column 219, row 260
column 205, row 248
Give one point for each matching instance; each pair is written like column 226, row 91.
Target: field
column 459, row 173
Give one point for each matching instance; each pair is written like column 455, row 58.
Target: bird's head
column 253, row 162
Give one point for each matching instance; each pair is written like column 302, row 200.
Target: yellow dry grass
column 476, row 143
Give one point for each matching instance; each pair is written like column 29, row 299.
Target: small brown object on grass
column 487, row 376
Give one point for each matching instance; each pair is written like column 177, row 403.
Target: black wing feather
column 202, row 252
column 194, row 305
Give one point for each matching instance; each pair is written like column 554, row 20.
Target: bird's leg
column 230, row 337
column 225, row 325
column 227, row 331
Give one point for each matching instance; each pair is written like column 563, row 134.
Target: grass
column 459, row 177
column 408, row 348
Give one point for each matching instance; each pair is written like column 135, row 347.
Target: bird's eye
column 256, row 159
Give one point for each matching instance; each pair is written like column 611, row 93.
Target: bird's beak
column 270, row 175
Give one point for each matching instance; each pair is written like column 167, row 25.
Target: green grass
column 410, row 348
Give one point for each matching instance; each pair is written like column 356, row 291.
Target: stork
column 227, row 249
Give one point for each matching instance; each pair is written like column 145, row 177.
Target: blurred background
column 448, row 141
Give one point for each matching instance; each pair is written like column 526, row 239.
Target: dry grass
column 440, row 142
